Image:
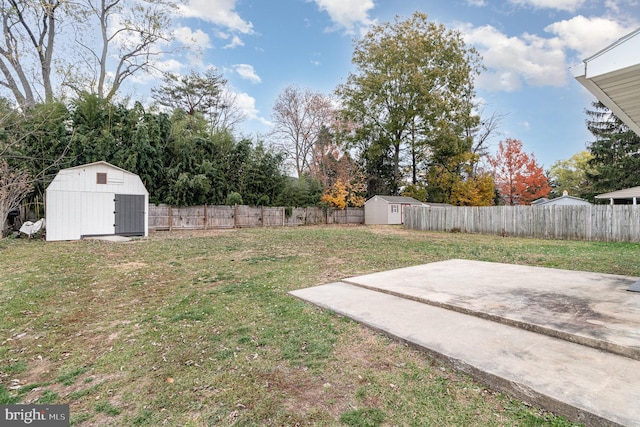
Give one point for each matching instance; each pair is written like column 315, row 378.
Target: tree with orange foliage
column 517, row 175
column 336, row 195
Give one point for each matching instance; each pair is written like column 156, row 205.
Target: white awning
column 613, row 76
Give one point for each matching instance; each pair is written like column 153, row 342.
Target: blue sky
column 527, row 47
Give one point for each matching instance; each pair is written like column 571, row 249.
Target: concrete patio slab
column 455, row 310
column 592, row 309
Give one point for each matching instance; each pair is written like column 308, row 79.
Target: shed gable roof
column 400, row 200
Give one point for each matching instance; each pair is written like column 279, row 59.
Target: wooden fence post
column 205, row 216
column 262, row 215
column 170, row 218
column 235, row 215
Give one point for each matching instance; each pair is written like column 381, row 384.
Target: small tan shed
column 387, row 210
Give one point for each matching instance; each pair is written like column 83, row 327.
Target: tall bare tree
column 117, row 39
column 28, row 32
column 299, row 117
column 131, row 32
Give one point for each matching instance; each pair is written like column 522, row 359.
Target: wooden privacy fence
column 165, row 217
column 617, row 223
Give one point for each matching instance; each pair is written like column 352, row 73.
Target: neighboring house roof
column 399, row 200
column 627, row 193
column 613, row 76
column 540, row 201
column 563, row 200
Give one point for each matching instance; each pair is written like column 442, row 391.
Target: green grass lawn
column 197, row 329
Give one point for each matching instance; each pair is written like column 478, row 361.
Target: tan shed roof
column 627, row 193
column 400, row 200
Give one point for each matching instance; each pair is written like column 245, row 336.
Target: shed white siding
column 77, row 205
column 375, row 211
column 394, row 213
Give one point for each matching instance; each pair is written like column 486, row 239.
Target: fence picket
column 165, row 217
column 620, row 223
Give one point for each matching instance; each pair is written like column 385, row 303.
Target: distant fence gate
column 617, row 223
column 165, row 217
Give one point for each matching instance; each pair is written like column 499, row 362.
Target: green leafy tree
column 200, row 93
column 571, row 176
column 234, row 198
column 616, row 152
column 263, row 179
column 300, row 192
column 127, row 137
column 418, row 192
column 411, row 90
column 41, row 142
column 457, row 182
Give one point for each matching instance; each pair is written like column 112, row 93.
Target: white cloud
column 567, row 5
column 477, row 3
column 513, row 61
column 194, row 39
column 235, row 42
column 247, row 72
column 219, row 12
column 247, row 104
column 347, row 14
column 588, row 36
column 534, row 60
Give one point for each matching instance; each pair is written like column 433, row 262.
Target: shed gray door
column 129, row 214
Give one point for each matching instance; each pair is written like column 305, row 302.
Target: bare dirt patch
column 306, row 393
column 365, row 350
column 39, row 369
column 129, row 266
column 388, row 230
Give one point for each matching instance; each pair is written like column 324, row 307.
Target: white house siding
column 78, row 206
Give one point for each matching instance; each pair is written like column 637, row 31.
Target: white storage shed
column 96, row 199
